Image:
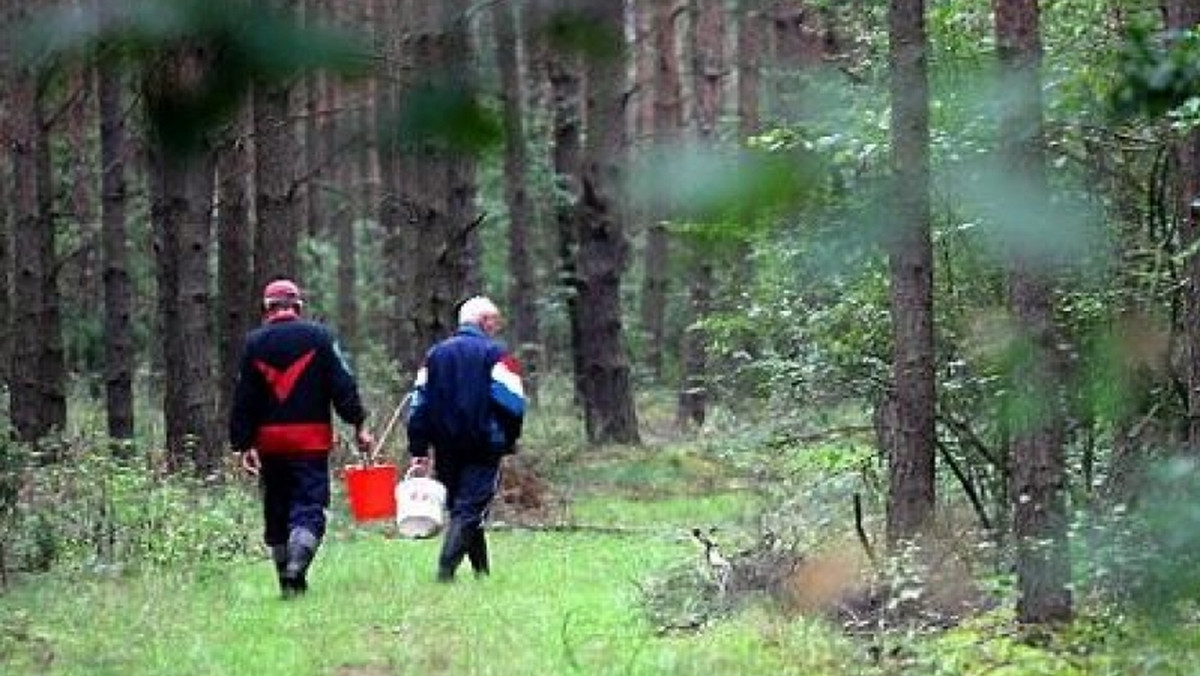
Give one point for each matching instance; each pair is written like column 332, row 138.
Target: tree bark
column 708, row 73
column 275, row 199
column 181, row 208
column 609, row 413
column 238, row 298
column 1040, row 519
column 911, row 459
column 1183, row 15
column 30, row 227
column 523, row 289
column 563, row 72
column 119, row 353
column 439, row 191
column 668, row 123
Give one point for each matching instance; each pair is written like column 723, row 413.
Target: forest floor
column 595, row 571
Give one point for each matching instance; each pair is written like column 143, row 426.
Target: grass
column 559, row 602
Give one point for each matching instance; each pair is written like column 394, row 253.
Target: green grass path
column 558, row 603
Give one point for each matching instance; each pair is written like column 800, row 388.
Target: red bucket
column 372, row 491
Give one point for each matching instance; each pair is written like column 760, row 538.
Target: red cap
column 281, row 289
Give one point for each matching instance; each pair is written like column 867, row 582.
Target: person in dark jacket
column 291, row 373
column 468, row 405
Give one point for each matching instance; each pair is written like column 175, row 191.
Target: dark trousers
column 470, row 488
column 295, row 493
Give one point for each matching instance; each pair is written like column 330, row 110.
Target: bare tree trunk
column 609, row 413
column 523, row 290
column 911, row 465
column 119, row 354
column 708, row 73
column 238, row 300
column 668, row 123
column 1040, row 519
column 563, row 71
column 1184, row 15
column 440, row 186
column 181, row 209
column 749, row 57
column 7, row 114
column 31, row 267
column 275, row 200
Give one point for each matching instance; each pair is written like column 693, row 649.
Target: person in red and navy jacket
column 468, row 406
column 291, row 373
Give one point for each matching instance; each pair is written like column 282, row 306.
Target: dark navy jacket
column 468, row 401
column 291, row 372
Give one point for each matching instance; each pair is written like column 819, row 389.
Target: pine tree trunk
column 1039, row 482
column 119, row 354
column 708, row 73
column 275, row 200
column 1184, row 15
column 563, row 72
column 523, row 289
column 237, row 297
column 439, row 189
column 668, row 123
column 910, row 261
column 30, row 266
column 181, row 186
column 609, row 413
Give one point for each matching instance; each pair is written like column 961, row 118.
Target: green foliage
column 230, row 45
column 1156, row 73
column 447, row 118
column 87, row 509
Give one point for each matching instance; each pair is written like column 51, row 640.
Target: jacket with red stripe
column 291, row 372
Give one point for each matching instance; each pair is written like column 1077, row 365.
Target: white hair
column 474, row 310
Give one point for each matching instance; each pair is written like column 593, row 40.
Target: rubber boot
column 454, row 548
column 279, row 557
column 477, row 552
column 301, row 549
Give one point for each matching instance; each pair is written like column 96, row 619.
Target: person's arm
column 508, row 397
column 245, row 414
column 418, row 424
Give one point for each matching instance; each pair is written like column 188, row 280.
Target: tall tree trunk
column 181, row 208
column 7, row 114
column 668, row 122
column 237, row 297
column 27, row 408
column 749, row 56
column 439, row 190
column 397, row 262
column 119, row 355
column 522, row 289
column 708, row 77
column 1184, row 15
column 609, row 414
column 1040, row 519
column 911, row 465
column 52, row 357
column 275, row 199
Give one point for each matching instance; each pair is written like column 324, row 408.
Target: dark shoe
column 477, row 553
column 290, row 587
column 454, row 548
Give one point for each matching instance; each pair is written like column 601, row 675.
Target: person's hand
column 365, row 441
column 251, row 462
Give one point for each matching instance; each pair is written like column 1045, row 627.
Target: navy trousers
column 295, row 494
column 470, row 488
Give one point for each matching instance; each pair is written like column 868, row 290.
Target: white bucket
column 420, row 507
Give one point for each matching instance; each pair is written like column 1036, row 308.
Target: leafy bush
column 89, row 510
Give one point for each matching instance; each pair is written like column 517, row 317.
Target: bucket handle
column 387, row 431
